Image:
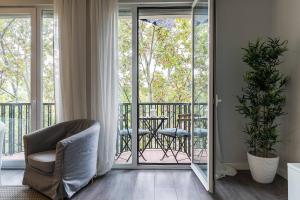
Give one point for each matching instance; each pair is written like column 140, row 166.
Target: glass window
column 47, row 67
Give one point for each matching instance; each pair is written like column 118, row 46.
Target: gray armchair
column 61, row 159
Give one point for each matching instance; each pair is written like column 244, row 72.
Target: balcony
column 17, row 117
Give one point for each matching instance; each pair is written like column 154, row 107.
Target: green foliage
column 262, row 100
column 201, row 63
column 15, row 55
column 164, row 61
column 15, row 59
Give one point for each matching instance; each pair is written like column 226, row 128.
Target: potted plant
column 261, row 103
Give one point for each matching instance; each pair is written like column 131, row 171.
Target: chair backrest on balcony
column 123, row 122
column 184, row 121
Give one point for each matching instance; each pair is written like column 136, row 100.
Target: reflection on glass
column 47, row 66
column 200, row 91
column 124, row 134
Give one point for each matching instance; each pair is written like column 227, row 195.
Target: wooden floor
column 169, row 185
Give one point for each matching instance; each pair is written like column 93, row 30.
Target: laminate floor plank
column 144, row 185
column 186, row 187
column 168, row 185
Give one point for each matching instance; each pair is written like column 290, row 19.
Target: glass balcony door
column 164, row 86
column 202, row 117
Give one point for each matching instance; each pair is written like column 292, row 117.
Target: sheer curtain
column 104, row 77
column 86, row 68
column 222, row 169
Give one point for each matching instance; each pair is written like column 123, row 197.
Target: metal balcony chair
column 125, row 135
column 181, row 132
column 201, row 133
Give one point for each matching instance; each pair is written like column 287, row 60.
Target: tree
column 201, row 63
column 125, row 57
column 164, row 60
column 15, row 51
column 15, row 60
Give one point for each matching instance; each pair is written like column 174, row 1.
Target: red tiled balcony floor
column 155, row 155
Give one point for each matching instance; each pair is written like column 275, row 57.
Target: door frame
column 134, row 9
column 208, row 179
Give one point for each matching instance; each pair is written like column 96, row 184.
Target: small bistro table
column 153, row 124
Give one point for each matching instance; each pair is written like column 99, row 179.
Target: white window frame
column 207, row 179
column 36, row 70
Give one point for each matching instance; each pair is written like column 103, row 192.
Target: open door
column 202, row 98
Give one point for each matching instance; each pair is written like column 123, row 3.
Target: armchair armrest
column 44, row 139
column 76, row 157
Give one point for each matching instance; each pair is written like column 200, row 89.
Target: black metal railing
column 17, row 117
column 169, row 110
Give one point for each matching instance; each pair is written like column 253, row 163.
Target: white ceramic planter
column 263, row 170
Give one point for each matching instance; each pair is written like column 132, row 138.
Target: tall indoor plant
column 261, row 102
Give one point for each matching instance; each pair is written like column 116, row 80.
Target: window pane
column 165, row 63
column 47, row 62
column 201, row 85
column 15, row 81
column 123, row 144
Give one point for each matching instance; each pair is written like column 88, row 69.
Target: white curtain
column 222, row 169
column 87, row 68
column 71, row 95
column 104, row 79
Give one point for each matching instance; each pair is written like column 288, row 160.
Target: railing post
column 20, row 128
column 11, row 130
column 3, row 120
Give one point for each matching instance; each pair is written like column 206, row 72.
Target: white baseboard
column 244, row 166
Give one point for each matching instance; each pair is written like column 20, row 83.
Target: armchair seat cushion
column 43, row 161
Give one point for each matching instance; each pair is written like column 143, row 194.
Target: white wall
column 286, row 25
column 238, row 21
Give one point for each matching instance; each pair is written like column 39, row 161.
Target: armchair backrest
column 75, row 126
